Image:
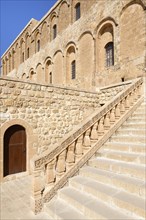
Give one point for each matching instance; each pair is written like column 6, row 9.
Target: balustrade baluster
column 127, row 105
column 112, row 116
column 139, row 91
column 117, row 111
column 122, row 106
column 61, row 165
column 79, row 148
column 135, row 95
column 101, row 127
column 86, row 141
column 106, row 122
column 131, row 99
column 70, row 159
column 50, row 172
column 94, row 134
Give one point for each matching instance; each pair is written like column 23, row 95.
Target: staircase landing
column 15, row 200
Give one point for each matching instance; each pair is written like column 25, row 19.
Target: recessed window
column 23, row 57
column 73, row 69
column 78, row 11
column 38, row 45
column 109, row 49
column 54, row 31
column 50, row 77
column 28, row 52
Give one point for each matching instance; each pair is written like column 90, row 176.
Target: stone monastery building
column 56, row 74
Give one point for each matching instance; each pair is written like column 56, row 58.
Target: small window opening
column 54, row 31
column 23, row 57
column 109, row 54
column 123, row 79
column 38, row 45
column 28, row 52
column 73, row 69
column 50, row 77
column 78, row 11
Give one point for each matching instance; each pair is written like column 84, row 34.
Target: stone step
column 138, row 114
column 140, row 110
column 136, row 120
column 128, row 139
column 130, row 125
column 120, row 167
column 109, row 194
column 91, row 207
column 59, row 209
column 123, row 156
column 131, row 132
column 129, row 184
column 134, row 147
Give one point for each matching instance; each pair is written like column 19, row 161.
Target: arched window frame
column 109, row 52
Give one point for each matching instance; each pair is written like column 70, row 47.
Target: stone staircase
column 112, row 184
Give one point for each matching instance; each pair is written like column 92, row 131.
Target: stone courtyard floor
column 15, row 200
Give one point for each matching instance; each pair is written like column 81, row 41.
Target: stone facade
column 38, row 55
column 63, row 67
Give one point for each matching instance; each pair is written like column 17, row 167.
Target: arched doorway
column 14, row 150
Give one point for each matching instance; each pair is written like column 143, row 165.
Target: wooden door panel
column 14, row 150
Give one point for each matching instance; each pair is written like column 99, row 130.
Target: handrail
column 52, row 169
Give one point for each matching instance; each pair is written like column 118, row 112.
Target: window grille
column 73, row 69
column 109, row 54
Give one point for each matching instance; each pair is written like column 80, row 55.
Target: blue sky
column 14, row 15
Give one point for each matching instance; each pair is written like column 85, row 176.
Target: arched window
column 28, row 52
column 78, row 11
column 73, row 69
column 109, row 49
column 54, row 31
column 38, row 45
column 23, row 57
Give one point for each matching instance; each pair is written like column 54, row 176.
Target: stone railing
column 52, row 170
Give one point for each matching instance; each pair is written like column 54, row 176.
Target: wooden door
column 14, row 150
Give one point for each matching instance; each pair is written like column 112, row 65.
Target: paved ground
column 15, row 200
